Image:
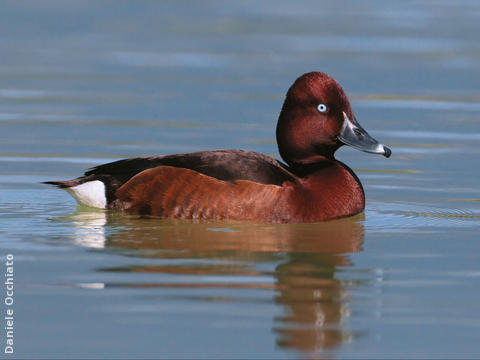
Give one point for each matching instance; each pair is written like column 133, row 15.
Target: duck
column 316, row 119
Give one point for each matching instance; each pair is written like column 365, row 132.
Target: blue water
column 84, row 83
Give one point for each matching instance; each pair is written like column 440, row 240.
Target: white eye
column 322, row 107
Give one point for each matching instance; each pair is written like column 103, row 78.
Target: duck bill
column 352, row 134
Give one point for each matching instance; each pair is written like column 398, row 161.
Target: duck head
column 317, row 119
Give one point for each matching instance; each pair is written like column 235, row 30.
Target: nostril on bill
column 358, row 133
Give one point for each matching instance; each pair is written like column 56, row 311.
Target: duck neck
column 304, row 169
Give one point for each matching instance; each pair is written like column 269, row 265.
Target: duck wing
column 226, row 165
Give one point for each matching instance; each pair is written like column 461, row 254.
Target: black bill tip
column 387, row 152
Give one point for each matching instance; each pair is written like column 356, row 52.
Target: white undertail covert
column 91, row 193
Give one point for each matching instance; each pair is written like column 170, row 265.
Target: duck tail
column 63, row 184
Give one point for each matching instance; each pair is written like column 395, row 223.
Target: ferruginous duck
column 316, row 119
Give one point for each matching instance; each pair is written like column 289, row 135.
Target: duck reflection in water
column 305, row 283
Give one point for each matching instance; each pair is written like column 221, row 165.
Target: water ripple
column 398, row 216
column 431, row 135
